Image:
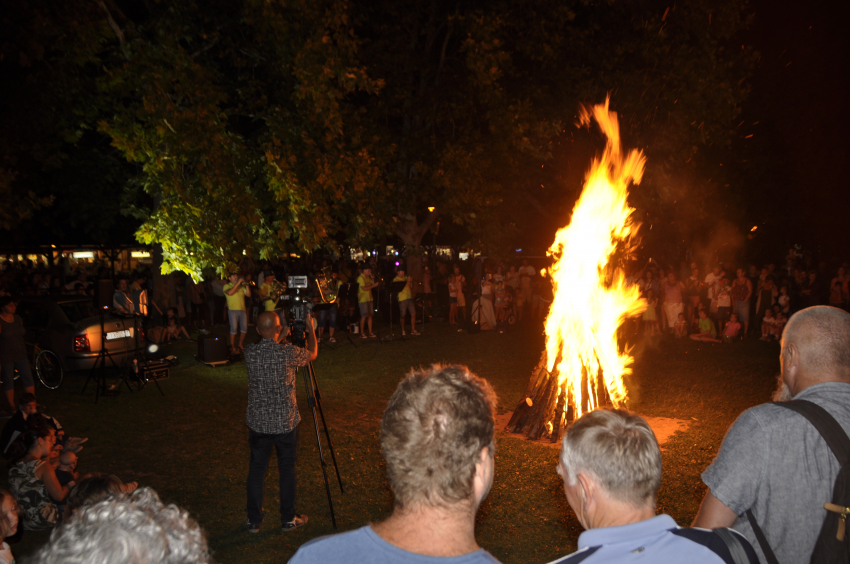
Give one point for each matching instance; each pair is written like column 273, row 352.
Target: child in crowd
column 453, row 289
column 779, row 321
column 650, row 319
column 28, row 408
column 784, row 300
column 707, row 331
column 732, row 330
column 681, row 326
column 724, row 302
column 173, row 329
column 8, row 525
column 501, row 293
column 93, row 488
column 66, row 471
column 768, row 327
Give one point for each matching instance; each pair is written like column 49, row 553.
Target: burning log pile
column 583, row 365
column 546, row 408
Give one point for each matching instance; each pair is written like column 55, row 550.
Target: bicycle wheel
column 49, row 369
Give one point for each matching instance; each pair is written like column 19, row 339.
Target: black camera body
column 299, row 309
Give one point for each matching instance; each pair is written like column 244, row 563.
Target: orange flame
column 592, row 298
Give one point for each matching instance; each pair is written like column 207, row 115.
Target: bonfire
column 583, row 365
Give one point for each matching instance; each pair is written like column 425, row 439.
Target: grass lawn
column 191, row 446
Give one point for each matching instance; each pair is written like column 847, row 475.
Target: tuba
column 277, row 290
column 325, row 283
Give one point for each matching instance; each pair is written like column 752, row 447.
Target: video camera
column 299, row 308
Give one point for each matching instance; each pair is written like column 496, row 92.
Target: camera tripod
column 138, row 359
column 98, row 370
column 314, row 400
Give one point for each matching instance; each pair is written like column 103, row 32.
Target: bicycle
column 47, row 366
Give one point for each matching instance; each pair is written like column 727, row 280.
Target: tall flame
column 592, row 298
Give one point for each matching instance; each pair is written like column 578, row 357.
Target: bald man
column 272, row 415
column 773, row 462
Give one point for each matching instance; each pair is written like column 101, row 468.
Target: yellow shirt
column 405, row 294
column 236, row 302
column 265, row 292
column 362, row 282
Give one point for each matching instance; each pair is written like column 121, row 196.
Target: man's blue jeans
column 261, row 445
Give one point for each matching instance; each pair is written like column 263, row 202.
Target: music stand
column 426, row 299
column 395, row 289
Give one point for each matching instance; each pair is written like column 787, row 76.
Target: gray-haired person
column 611, row 466
column 437, row 437
column 127, row 529
column 773, row 462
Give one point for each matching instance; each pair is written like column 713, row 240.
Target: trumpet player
column 236, row 290
column 267, row 292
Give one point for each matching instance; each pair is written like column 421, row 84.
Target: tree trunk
column 411, row 233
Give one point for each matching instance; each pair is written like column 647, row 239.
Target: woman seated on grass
column 33, row 480
column 707, row 331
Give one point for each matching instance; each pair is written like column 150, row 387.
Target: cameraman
column 272, row 415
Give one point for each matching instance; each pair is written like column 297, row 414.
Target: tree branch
column 113, row 24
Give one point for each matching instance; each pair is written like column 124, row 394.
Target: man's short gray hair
column 127, row 529
column 616, row 448
column 432, row 433
column 822, row 336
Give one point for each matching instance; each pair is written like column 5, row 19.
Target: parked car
column 69, row 326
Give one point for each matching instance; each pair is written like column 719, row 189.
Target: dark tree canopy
column 268, row 126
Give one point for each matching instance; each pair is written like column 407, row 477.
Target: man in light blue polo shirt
column 437, row 437
column 611, row 467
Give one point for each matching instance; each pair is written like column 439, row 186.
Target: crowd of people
column 438, row 443
column 45, row 487
column 490, row 293
column 438, row 434
column 723, row 302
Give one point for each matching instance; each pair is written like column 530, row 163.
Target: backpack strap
column 835, row 438
column 765, row 547
column 826, row 425
column 733, row 543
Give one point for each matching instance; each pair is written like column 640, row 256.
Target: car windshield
column 77, row 311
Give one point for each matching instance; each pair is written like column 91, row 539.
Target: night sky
column 800, row 99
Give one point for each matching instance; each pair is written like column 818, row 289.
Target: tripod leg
column 311, row 401
column 158, row 388
column 318, row 396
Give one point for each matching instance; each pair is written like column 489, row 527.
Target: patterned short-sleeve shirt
column 272, row 370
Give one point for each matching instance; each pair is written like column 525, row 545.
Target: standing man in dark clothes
column 272, row 415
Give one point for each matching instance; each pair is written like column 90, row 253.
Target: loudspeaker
column 212, row 349
column 104, row 293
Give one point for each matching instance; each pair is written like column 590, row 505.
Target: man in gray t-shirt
column 773, row 461
column 437, row 437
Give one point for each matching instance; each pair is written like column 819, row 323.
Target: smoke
column 723, row 243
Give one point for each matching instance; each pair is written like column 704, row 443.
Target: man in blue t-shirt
column 611, row 466
column 437, row 439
